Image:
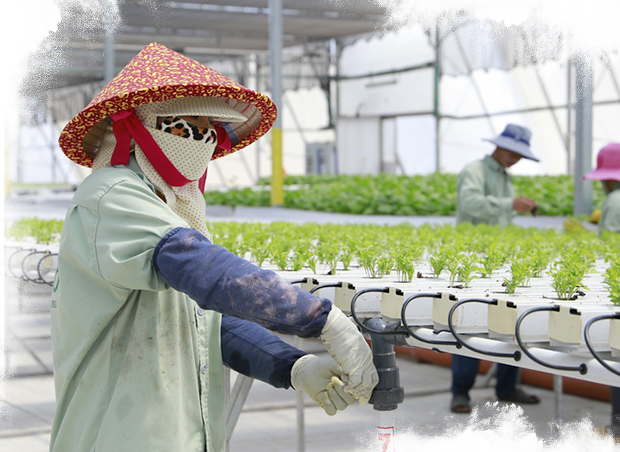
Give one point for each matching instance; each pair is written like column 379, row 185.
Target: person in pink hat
column 608, row 172
column 146, row 310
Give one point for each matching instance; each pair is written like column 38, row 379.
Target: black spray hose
column 582, row 368
column 586, row 334
column 516, row 355
column 323, row 286
column 403, row 319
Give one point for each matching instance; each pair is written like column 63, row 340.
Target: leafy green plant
column 520, row 272
column 346, row 254
column 468, row 266
column 568, row 273
column 453, row 264
column 312, row 261
column 404, row 261
column 375, row 261
column 440, row 259
column 611, row 278
column 539, row 259
column 495, row 257
column 390, row 194
column 259, row 250
column 42, row 231
column 300, row 254
column 329, row 254
column 279, row 252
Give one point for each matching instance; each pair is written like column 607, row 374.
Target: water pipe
column 388, row 393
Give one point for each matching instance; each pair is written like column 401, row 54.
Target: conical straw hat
column 157, row 74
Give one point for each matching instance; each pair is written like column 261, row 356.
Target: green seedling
column 519, row 268
column 375, row 261
column 259, row 251
column 612, row 281
column 42, row 231
column 329, row 254
column 404, row 261
column 312, row 261
column 279, row 252
column 440, row 260
column 496, row 256
column 467, row 268
column 568, row 274
column 346, row 255
column 452, row 267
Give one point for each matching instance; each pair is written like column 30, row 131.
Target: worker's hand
column 523, row 204
column 320, row 379
column 595, row 217
column 573, row 225
column 350, row 350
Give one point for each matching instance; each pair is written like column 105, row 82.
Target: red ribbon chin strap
column 223, row 140
column 203, row 181
column 128, row 126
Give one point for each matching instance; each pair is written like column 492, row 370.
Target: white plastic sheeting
column 472, row 106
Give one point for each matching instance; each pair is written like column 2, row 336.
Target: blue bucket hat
column 516, row 139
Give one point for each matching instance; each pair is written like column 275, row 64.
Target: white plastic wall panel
column 387, row 95
column 482, row 92
column 357, row 147
column 416, row 144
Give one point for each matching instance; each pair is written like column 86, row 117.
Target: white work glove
column 320, row 379
column 350, row 350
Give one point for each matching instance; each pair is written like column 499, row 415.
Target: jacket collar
column 493, row 164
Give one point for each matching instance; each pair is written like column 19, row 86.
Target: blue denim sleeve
column 221, row 281
column 253, row 351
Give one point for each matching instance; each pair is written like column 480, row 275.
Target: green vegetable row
column 464, row 251
column 389, row 194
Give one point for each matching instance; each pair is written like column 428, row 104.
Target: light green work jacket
column 610, row 211
column 484, row 193
column 137, row 365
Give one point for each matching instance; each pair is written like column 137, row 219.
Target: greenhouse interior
column 376, row 183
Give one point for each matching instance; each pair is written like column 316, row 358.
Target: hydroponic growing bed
column 514, row 295
column 538, row 299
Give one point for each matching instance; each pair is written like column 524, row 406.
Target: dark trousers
column 465, row 369
column 615, row 410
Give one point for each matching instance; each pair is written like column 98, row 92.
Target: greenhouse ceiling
column 201, row 29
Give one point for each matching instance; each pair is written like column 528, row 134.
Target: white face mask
column 190, row 157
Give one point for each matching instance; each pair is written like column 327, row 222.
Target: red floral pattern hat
column 157, row 74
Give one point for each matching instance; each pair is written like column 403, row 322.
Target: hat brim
column 214, row 107
column 603, row 174
column 513, row 145
column 170, row 75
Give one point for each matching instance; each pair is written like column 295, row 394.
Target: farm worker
column 484, row 189
column 608, row 172
column 145, row 309
column 485, row 195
